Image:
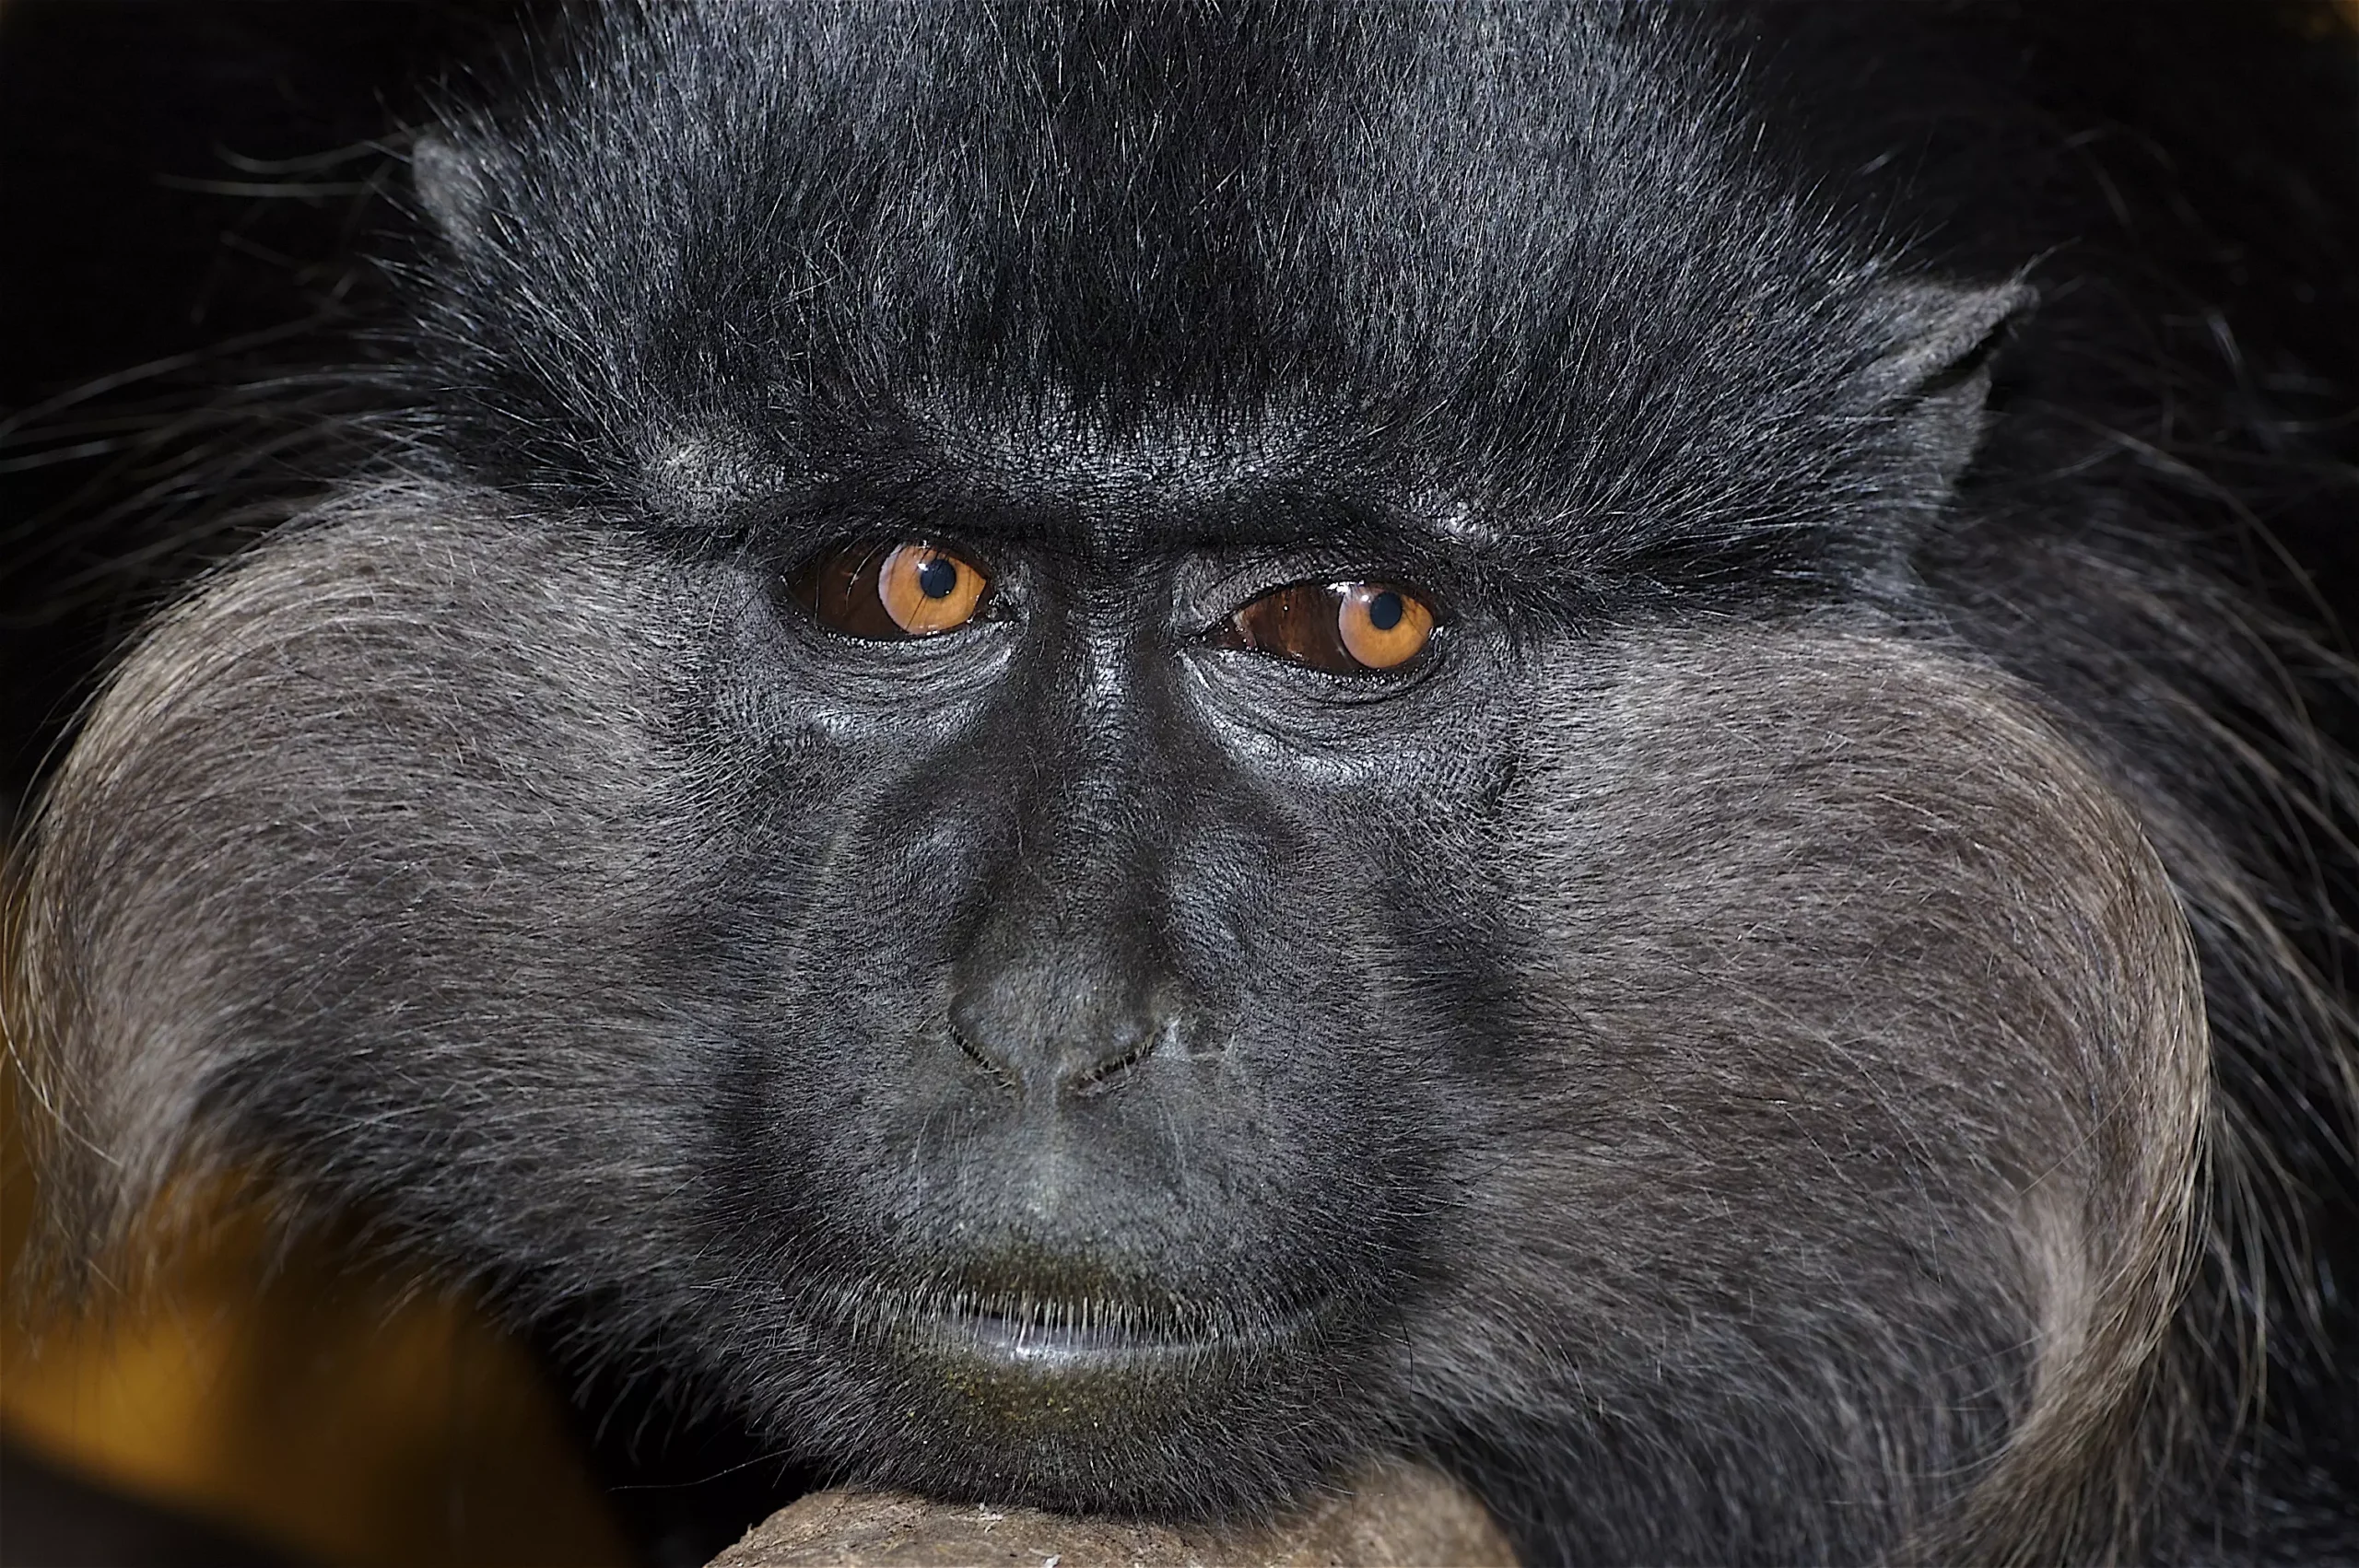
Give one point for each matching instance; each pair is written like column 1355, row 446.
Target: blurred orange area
column 302, row 1401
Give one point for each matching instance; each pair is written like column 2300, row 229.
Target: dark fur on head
column 1716, row 1056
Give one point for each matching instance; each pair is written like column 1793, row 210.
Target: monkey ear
column 1933, row 383
column 449, row 181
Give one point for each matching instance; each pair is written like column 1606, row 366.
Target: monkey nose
column 1050, row 1043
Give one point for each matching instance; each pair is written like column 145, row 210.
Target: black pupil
column 1383, row 611
column 940, row 575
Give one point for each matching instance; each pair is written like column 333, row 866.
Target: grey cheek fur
column 376, row 803
column 1846, row 983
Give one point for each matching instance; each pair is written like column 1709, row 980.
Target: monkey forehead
column 1530, row 246
column 1054, row 475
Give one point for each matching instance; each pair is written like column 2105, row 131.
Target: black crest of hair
column 1810, row 1021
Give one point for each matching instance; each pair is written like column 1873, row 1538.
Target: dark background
column 192, row 191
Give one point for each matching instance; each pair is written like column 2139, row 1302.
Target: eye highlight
column 890, row 592
column 1345, row 629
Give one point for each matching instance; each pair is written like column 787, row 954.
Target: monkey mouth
column 1065, row 1337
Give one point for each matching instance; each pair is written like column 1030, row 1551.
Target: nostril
column 1101, row 1076
column 976, row 1054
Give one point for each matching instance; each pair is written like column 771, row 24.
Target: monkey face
column 1079, row 987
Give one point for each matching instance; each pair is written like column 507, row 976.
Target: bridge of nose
column 1071, row 977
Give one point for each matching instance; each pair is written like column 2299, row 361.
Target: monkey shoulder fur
column 1114, row 758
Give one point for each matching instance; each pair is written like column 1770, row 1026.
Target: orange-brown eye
column 1346, row 629
column 928, row 590
column 1381, row 626
column 891, row 592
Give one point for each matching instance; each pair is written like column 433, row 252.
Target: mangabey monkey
column 1102, row 754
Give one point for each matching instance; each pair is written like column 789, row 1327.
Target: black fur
column 1714, row 1056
